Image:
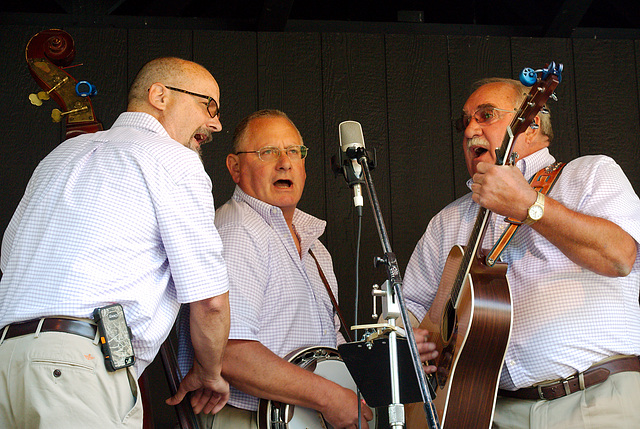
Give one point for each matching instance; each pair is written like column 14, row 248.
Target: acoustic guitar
column 470, row 318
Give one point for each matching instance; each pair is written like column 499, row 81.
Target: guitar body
column 471, row 338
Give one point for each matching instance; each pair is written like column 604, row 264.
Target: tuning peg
column 86, row 89
column 534, row 126
column 528, row 76
column 57, row 115
column 553, row 96
column 36, row 100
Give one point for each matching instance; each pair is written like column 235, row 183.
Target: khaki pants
column 59, row 380
column 229, row 418
column 614, row 403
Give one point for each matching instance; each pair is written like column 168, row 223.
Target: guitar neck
column 472, row 248
column 529, row 108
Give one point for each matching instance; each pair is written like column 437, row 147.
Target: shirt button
column 512, row 362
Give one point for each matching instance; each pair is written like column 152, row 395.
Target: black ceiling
column 539, row 18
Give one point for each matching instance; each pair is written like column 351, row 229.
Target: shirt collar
column 308, row 227
column 140, row 120
column 535, row 162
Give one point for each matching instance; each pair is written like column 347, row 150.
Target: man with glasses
column 573, row 271
column 120, row 216
column 278, row 300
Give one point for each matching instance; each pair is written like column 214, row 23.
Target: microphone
column 351, row 146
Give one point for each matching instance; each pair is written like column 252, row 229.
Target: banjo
column 323, row 361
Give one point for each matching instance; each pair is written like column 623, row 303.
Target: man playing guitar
column 573, row 270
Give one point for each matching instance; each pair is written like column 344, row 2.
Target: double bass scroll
column 47, row 53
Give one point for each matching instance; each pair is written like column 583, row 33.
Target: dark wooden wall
column 402, row 88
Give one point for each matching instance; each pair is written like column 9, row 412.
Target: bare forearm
column 593, row 243
column 209, row 323
column 252, row 368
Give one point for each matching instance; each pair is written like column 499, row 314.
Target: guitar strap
column 343, row 325
column 542, row 182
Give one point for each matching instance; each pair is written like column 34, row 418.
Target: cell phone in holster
column 115, row 337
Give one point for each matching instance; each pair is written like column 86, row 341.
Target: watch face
column 536, row 212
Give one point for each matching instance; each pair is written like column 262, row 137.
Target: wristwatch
column 536, row 211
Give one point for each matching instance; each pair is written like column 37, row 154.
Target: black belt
column 70, row 326
column 594, row 375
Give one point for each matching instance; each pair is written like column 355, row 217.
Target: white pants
column 615, row 403
column 229, row 418
column 59, row 380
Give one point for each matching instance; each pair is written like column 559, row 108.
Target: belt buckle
column 564, row 383
column 543, row 385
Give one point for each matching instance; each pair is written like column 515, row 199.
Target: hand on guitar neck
column 503, row 190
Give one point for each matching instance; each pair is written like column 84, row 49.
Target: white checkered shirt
column 276, row 297
column 565, row 317
column 124, row 215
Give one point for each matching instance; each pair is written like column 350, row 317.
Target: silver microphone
column 351, row 137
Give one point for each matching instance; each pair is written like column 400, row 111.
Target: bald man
column 120, row 216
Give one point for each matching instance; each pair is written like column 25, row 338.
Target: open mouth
column 477, row 151
column 201, row 138
column 283, row 183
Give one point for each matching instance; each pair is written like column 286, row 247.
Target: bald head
column 179, row 94
column 169, row 71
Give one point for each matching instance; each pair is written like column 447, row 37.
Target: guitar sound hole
column 448, row 323
column 448, row 333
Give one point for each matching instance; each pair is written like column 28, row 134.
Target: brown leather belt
column 592, row 376
column 70, row 326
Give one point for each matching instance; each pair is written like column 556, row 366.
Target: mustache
column 478, row 141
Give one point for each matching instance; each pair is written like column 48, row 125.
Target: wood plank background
column 403, row 89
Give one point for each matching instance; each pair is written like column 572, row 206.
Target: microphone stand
column 394, row 294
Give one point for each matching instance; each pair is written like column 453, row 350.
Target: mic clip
column 358, row 153
column 341, row 164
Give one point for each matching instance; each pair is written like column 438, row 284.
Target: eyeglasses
column 212, row 106
column 485, row 115
column 272, row 153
